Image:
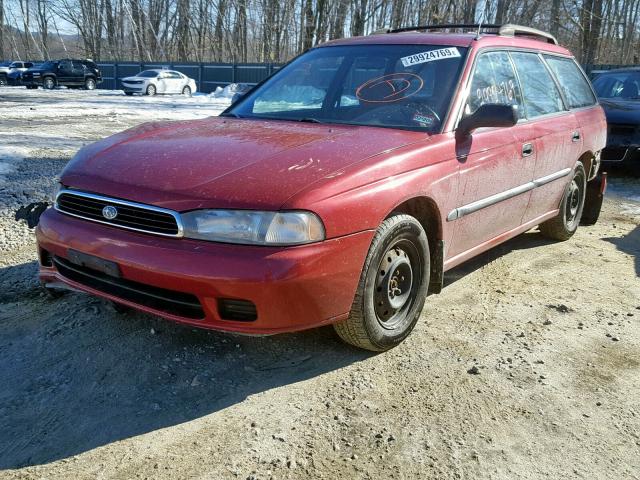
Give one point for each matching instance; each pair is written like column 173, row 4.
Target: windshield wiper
column 230, row 114
column 309, row 120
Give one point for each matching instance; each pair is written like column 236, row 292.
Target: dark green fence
column 208, row 76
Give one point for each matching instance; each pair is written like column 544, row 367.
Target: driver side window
column 494, row 81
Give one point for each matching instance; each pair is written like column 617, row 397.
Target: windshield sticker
column 389, row 88
column 424, row 120
column 431, row 56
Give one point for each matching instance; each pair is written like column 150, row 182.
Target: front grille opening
column 238, row 310
column 161, row 299
column 131, row 217
column 45, row 258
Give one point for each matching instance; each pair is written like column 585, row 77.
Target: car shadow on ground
column 75, row 375
column 629, row 244
column 525, row 241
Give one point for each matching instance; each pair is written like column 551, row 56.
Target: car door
column 177, row 82
column 65, row 71
column 78, row 73
column 495, row 163
column 556, row 131
column 581, row 99
column 162, row 82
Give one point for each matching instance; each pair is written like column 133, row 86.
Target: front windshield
column 623, row 85
column 397, row 86
column 148, row 74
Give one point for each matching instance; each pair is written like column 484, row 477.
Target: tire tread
column 353, row 329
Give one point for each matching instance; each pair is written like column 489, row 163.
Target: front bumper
column 623, row 153
column 134, row 88
column 31, row 81
column 292, row 288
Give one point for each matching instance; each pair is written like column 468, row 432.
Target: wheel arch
column 588, row 160
column 426, row 211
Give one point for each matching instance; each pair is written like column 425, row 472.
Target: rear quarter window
column 574, row 85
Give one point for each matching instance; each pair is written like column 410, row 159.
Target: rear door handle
column 527, row 149
column 575, row 136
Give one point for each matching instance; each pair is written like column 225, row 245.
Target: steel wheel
column 564, row 225
column 395, row 292
column 392, row 288
column 574, row 200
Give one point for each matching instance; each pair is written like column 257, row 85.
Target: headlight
column 253, row 227
column 54, row 191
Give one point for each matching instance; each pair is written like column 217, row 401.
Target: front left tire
column 392, row 287
column 151, row 90
column 89, row 84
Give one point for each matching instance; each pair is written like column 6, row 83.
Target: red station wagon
column 339, row 190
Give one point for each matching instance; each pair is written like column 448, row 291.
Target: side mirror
column 489, row 115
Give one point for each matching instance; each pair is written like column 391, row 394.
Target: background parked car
column 619, row 93
column 151, row 82
column 11, row 70
column 70, row 73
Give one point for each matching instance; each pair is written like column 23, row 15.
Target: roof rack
column 508, row 30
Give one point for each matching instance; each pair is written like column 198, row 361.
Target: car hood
column 621, row 111
column 224, row 162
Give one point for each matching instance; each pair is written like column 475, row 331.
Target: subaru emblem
column 109, row 212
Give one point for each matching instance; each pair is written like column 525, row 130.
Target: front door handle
column 575, row 136
column 527, row 149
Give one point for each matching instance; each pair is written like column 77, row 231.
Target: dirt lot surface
column 526, row 366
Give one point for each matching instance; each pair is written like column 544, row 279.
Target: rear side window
column 494, row 81
column 541, row 95
column 575, row 87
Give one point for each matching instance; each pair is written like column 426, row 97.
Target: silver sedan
column 152, row 82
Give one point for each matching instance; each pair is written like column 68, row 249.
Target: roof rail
column 509, row 30
column 447, row 26
column 512, row 30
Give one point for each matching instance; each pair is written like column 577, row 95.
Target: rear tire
column 151, row 90
column 564, row 225
column 128, row 94
column 186, row 91
column 593, row 201
column 392, row 288
column 3, row 81
column 48, row 83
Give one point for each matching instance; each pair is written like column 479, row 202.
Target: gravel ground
column 526, row 366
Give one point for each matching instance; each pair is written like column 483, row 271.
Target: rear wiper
column 309, row 120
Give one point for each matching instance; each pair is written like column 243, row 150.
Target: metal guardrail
column 208, row 76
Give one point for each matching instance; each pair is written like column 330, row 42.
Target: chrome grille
column 130, row 215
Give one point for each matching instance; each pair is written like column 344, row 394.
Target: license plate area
column 95, row 263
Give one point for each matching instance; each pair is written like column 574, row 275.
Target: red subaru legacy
column 339, row 190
